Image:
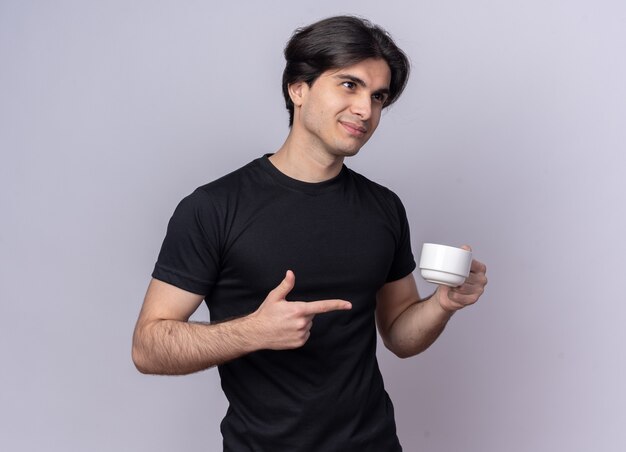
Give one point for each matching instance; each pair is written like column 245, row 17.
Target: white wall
column 510, row 137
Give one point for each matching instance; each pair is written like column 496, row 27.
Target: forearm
column 172, row 347
column 417, row 327
column 165, row 343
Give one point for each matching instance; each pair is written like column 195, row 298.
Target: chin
column 351, row 153
column 349, row 150
column 345, row 152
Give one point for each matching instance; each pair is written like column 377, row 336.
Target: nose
column 362, row 106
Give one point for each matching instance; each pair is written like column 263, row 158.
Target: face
column 341, row 110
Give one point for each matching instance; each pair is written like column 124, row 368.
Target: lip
column 353, row 129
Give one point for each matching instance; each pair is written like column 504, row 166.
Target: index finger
column 321, row 306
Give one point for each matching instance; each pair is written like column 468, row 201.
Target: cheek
column 313, row 118
column 318, row 116
column 374, row 122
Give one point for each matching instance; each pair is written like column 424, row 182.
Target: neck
column 306, row 163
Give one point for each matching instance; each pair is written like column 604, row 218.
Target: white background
column 510, row 137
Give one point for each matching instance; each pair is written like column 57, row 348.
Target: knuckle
column 301, row 324
column 296, row 310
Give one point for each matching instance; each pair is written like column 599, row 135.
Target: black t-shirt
column 232, row 241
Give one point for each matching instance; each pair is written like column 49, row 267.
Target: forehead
column 375, row 72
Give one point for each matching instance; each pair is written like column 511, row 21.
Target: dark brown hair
column 337, row 42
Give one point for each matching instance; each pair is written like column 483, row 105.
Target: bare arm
column 409, row 325
column 165, row 342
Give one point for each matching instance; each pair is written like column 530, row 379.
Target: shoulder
column 222, row 189
column 214, row 197
column 233, row 180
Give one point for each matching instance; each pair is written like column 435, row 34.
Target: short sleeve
column 189, row 256
column 404, row 262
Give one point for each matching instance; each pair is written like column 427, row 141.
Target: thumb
column 467, row 247
column 281, row 291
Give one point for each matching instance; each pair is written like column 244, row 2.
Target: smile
column 354, row 129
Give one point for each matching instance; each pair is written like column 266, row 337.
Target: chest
column 336, row 247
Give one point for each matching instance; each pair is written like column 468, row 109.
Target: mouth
column 354, row 129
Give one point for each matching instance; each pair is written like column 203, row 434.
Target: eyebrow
column 360, row 82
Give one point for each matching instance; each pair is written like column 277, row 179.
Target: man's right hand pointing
column 286, row 324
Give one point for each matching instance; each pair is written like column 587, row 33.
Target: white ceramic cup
column 446, row 265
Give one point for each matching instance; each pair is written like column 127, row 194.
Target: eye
column 379, row 97
column 349, row 85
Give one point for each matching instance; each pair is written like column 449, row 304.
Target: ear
column 297, row 92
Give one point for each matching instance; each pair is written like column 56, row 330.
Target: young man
column 301, row 375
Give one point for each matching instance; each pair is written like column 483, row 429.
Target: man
column 301, row 375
